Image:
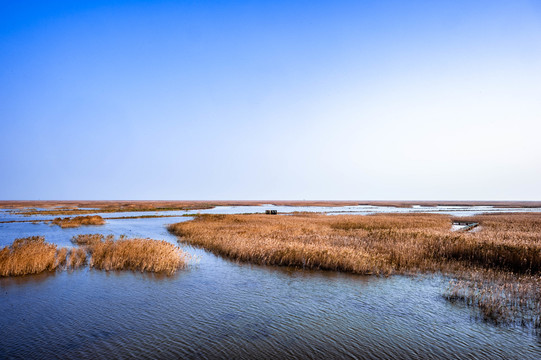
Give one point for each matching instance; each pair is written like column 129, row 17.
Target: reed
column 145, row 255
column 501, row 298
column 77, row 258
column 61, row 258
column 30, row 255
column 382, row 244
column 33, row 255
column 89, row 239
column 78, row 221
column 497, row 269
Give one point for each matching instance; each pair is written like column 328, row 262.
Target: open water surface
column 221, row 309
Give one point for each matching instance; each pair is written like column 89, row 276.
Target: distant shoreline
column 139, row 205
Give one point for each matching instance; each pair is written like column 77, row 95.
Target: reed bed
column 496, row 266
column 145, row 255
column 381, row 244
column 131, row 254
column 30, row 255
column 33, row 255
column 77, row 221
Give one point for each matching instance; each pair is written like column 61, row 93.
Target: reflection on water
column 222, row 309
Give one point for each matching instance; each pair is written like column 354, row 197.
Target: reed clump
column 145, row 255
column 89, row 239
column 72, row 222
column 77, row 258
column 31, row 255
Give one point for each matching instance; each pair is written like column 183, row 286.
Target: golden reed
column 496, row 265
column 33, row 255
column 77, row 221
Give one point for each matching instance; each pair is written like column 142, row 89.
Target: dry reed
column 383, row 244
column 500, row 262
column 89, row 239
column 33, row 255
column 77, row 258
column 78, row 221
column 30, row 255
column 131, row 254
column 137, row 255
column 499, row 297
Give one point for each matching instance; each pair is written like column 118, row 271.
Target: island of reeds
column 34, row 255
column 72, row 222
column 495, row 268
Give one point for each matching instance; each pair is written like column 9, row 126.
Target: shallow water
column 222, row 309
column 331, row 210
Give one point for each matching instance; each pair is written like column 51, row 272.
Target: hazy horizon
column 248, row 100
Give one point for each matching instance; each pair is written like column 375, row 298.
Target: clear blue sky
column 270, row 100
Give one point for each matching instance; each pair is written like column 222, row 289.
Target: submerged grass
column 77, row 221
column 501, row 298
column 500, row 261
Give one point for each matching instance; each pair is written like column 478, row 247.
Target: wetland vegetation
column 33, row 255
column 92, row 207
column 72, row 222
column 492, row 268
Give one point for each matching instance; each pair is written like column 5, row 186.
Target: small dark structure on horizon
column 271, row 212
column 468, row 224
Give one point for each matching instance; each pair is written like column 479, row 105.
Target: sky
column 270, row 100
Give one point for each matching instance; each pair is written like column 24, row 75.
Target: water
column 331, row 210
column 221, row 309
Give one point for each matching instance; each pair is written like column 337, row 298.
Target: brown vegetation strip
column 78, row 221
column 107, row 218
column 381, row 244
column 508, row 248
column 78, row 207
column 33, row 255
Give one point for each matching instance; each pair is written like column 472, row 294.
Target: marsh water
column 222, row 309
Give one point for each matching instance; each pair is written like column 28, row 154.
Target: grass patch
column 31, row 255
column 381, row 244
column 90, row 239
column 72, row 222
column 145, row 255
column 499, row 263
